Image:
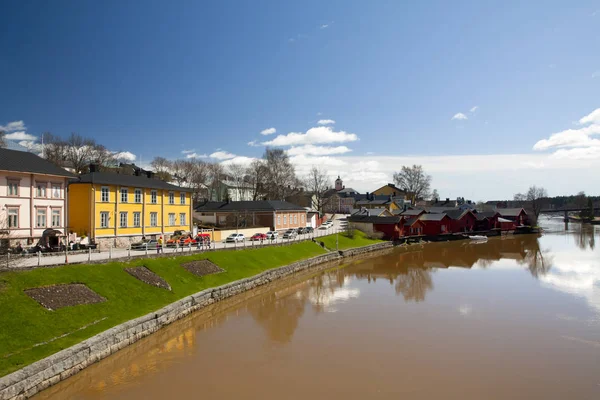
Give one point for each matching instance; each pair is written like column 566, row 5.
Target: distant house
column 413, row 227
column 33, row 197
column 230, row 190
column 266, row 213
column 303, row 199
column 415, row 213
column 517, row 215
column 388, row 227
column 436, row 224
column 340, row 199
column 462, row 221
column 487, row 220
column 391, row 190
column 376, row 212
column 388, row 202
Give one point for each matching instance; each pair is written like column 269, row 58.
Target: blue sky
column 158, row 78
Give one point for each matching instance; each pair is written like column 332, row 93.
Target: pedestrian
column 159, row 245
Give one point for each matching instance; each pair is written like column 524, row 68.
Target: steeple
column 339, row 185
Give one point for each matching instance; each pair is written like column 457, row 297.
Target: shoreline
column 34, row 378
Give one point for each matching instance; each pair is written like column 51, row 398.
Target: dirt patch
column 59, row 296
column 201, row 267
column 145, row 275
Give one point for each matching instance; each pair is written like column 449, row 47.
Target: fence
column 26, row 260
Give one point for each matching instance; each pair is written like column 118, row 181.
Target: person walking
column 159, row 245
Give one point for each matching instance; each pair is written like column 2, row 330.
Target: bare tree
column 435, row 196
column 536, row 196
column 317, row 183
column 197, row 178
column 280, row 175
column 76, row 152
column 237, row 173
column 256, row 175
column 520, row 197
column 2, row 139
column 162, row 168
column 414, row 181
column 216, row 175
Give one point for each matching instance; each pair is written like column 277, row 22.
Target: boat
column 478, row 238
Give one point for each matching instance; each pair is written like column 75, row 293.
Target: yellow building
column 390, row 190
column 116, row 209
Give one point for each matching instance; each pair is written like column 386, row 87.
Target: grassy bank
column 29, row 332
column 344, row 242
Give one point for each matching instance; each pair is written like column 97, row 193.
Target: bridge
column 567, row 210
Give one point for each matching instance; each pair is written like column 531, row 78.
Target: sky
column 489, row 96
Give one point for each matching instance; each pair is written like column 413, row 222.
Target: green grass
column 344, row 242
column 24, row 323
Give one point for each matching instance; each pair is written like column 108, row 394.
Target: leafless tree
column 414, row 181
column 435, row 196
column 520, row 197
column 280, row 175
column 216, row 175
column 256, row 175
column 76, row 152
column 237, row 173
column 536, row 197
column 197, row 178
column 317, row 183
column 2, row 139
column 162, row 168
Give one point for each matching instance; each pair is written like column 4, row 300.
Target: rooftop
column 107, row 178
column 259, row 205
column 374, row 219
column 433, row 217
column 21, row 161
column 510, row 212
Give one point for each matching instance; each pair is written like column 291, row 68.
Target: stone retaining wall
column 42, row 374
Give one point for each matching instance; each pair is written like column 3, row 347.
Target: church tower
column 339, row 185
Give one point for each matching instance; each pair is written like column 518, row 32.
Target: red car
column 258, row 236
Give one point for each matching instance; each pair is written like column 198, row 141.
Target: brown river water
column 513, row 318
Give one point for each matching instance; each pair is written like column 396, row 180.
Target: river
column 516, row 317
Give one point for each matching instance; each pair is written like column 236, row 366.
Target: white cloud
column 253, row 143
column 319, row 113
column 188, row 151
column 196, row 155
column 591, row 118
column 326, row 122
column 459, row 116
column 596, row 74
column 313, row 150
column 222, row 155
column 579, row 153
column 125, row 155
column 32, row 146
column 324, row 26
column 317, row 135
column 268, row 131
column 474, row 108
column 20, row 136
column 241, row 160
column 13, row 126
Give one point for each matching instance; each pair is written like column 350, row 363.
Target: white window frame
column 182, row 198
column 41, row 212
column 295, row 219
column 56, row 190
column 124, row 194
column 171, row 197
column 104, row 191
column 285, row 219
column 12, row 184
column 182, row 219
column 138, row 196
column 279, row 220
column 154, row 197
column 54, row 213
column 172, row 219
column 137, row 219
column 153, row 219
column 41, row 187
column 123, row 224
column 10, row 215
column 104, row 219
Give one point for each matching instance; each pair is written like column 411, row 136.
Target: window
column 279, row 220
column 153, row 219
column 443, row 228
column 171, row 198
column 124, row 194
column 137, row 219
column 138, row 195
column 13, row 217
column 123, row 219
column 13, row 188
column 153, row 197
column 56, row 187
column 104, row 194
column 181, row 218
column 171, row 219
column 41, row 218
column 41, row 189
column 295, row 218
column 302, row 218
column 285, row 219
column 182, row 198
column 55, row 218
column 104, row 219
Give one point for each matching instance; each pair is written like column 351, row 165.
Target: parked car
column 309, row 229
column 323, row 227
column 258, row 237
column 235, row 237
column 149, row 244
column 272, row 235
column 185, row 241
column 301, row 231
column 290, row 234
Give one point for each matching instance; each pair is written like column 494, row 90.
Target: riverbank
column 30, row 332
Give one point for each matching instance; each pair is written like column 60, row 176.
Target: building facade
column 117, row 210
column 32, row 198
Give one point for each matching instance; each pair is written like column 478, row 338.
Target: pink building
column 32, row 197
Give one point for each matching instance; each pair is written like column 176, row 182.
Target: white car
column 272, row 235
column 235, row 237
column 324, row 227
column 290, row 234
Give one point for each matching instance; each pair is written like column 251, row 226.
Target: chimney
column 150, row 174
column 93, row 167
column 447, row 199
